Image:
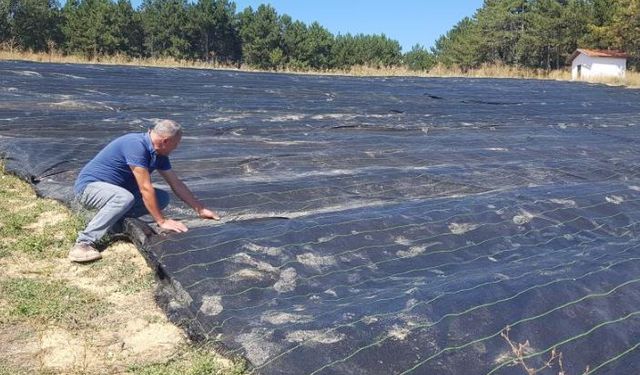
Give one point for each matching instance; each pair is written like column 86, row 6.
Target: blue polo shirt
column 113, row 164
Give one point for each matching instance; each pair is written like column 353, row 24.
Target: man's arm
column 183, row 192
column 150, row 202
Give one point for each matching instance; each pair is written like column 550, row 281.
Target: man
column 117, row 182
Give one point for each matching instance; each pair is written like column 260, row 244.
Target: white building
column 591, row 63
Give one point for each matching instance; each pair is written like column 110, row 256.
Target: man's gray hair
column 167, row 128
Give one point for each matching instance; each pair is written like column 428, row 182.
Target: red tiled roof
column 599, row 53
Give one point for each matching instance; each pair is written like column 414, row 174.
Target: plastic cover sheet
column 370, row 225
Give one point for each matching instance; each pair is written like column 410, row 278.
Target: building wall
column 594, row 67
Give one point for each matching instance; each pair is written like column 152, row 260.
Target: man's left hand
column 208, row 214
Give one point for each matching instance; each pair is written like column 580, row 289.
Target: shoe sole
column 85, row 260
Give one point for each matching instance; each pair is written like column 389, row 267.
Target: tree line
column 207, row 30
column 539, row 34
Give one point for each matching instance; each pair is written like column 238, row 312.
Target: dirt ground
column 58, row 317
column 135, row 327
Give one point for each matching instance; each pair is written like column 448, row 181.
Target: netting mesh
column 371, row 225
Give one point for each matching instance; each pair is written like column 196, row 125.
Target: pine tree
column 500, row 23
column 296, row 49
column 6, row 20
column 128, row 26
column 419, row 58
column 624, row 32
column 216, row 33
column 90, row 28
column 343, row 51
column 459, row 46
column 35, row 23
column 539, row 46
column 370, row 50
column 262, row 42
column 318, row 46
column 540, row 33
column 576, row 17
column 167, row 28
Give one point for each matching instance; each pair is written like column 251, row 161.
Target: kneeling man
column 117, row 182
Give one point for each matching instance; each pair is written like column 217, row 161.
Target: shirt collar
column 148, row 144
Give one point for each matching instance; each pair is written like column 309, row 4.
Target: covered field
column 370, row 225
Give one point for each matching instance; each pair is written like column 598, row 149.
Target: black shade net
column 370, row 225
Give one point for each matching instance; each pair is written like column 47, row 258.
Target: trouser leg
column 139, row 209
column 112, row 202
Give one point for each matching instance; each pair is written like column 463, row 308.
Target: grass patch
column 44, row 302
column 198, row 361
column 117, row 59
column 52, row 321
column 133, row 282
column 27, row 226
column 6, row 369
column 12, row 370
column 128, row 277
column 125, row 274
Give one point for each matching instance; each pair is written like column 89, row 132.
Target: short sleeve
column 135, row 154
column 163, row 163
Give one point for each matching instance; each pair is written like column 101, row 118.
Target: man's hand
column 208, row 214
column 183, row 192
column 173, row 225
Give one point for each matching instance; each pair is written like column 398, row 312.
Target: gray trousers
column 113, row 203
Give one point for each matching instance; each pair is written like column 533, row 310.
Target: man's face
column 166, row 145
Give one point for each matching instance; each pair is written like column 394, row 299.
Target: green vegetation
column 540, row 34
column 47, row 302
column 536, row 34
column 57, row 317
column 194, row 362
column 203, row 30
column 11, row 370
column 29, row 230
column 129, row 280
column 529, row 34
column 28, row 227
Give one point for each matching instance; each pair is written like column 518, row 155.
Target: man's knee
column 97, row 195
column 126, row 200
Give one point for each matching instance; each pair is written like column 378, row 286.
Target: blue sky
column 407, row 21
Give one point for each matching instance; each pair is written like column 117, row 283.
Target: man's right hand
column 173, row 225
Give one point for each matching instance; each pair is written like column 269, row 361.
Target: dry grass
column 631, row 80
column 57, row 317
column 521, row 351
column 500, row 71
column 108, row 60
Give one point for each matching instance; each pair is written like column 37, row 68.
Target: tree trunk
column 206, row 46
column 548, row 49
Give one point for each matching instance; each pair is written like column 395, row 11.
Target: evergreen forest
column 536, row 34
